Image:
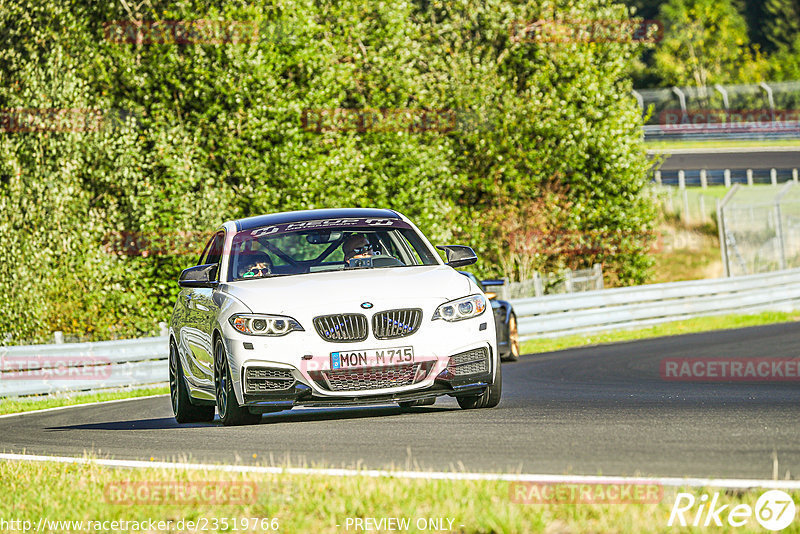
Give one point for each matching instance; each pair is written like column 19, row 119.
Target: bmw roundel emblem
column 366, row 305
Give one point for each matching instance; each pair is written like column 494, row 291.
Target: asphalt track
column 744, row 158
column 590, row 411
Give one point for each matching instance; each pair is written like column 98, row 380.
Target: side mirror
column 199, row 276
column 458, row 255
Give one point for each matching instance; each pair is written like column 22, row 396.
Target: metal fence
column 703, row 178
column 764, row 110
column 691, row 206
column 640, row 306
column 759, row 229
column 42, row 369
column 565, row 281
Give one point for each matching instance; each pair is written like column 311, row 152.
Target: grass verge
column 311, row 503
column 686, row 252
column 735, row 143
column 41, row 402
column 687, row 264
column 688, row 326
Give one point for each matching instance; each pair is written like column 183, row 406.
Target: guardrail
column 40, row 369
column 745, row 132
column 768, row 110
column 631, row 307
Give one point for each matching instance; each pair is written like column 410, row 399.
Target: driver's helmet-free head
column 356, row 246
column 255, row 265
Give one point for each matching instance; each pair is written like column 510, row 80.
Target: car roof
column 258, row 221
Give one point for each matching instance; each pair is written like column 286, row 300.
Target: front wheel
column 182, row 407
column 513, row 340
column 230, row 413
column 489, row 398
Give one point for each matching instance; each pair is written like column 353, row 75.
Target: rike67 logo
column 774, row 510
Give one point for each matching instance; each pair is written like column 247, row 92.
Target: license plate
column 371, row 357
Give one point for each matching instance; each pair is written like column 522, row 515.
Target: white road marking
column 739, row 483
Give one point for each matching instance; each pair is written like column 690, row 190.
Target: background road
column 746, row 158
column 596, row 410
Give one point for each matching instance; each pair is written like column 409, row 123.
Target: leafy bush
column 199, row 133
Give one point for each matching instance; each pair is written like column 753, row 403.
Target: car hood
column 342, row 291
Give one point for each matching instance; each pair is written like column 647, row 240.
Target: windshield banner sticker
column 347, row 222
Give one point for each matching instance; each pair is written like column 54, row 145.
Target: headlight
column 458, row 310
column 263, row 325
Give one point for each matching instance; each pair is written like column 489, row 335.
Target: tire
column 488, row 399
column 182, row 407
column 420, row 402
column 513, row 340
column 230, row 413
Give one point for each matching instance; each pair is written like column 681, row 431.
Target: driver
column 357, row 246
column 259, row 266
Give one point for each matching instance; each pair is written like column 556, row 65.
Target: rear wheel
column 513, row 340
column 182, row 407
column 489, row 398
column 230, row 413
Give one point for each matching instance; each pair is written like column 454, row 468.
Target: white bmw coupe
column 328, row 308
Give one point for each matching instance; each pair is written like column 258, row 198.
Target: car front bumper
column 297, row 367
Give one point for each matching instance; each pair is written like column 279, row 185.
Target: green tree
column 705, row 42
column 784, row 22
column 548, row 132
column 783, row 33
column 785, row 62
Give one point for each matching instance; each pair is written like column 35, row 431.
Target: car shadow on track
column 307, row 415
column 132, row 424
column 359, row 412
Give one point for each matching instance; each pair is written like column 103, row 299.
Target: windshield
column 326, row 245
